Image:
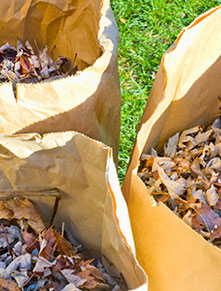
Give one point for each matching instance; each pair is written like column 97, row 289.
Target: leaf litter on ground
column 186, row 177
column 35, row 258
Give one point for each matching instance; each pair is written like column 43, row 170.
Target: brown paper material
column 81, row 171
column 185, row 94
column 88, row 102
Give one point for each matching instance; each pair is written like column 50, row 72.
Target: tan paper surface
column 185, row 94
column 82, row 171
column 88, row 102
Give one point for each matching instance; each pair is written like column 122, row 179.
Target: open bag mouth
column 56, row 172
column 184, row 95
column 66, row 28
column 85, row 33
column 34, row 255
column 185, row 176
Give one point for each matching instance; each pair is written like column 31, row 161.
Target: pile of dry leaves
column 187, row 178
column 35, row 258
column 22, row 64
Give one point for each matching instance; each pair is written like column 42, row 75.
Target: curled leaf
column 171, row 146
column 212, row 196
column 175, row 188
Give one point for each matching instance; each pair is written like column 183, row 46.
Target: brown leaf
column 175, row 188
column 31, row 241
column 8, row 285
column 5, row 212
column 149, row 162
column 156, row 175
column 63, row 246
column 218, row 204
column 22, row 65
column 191, row 176
column 196, row 224
column 49, row 241
column 90, row 282
column 207, row 217
column 97, row 274
column 24, row 209
column 26, row 66
column 73, row 278
column 62, row 263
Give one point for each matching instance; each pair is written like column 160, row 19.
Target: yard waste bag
column 73, row 178
column 85, row 32
column 184, row 94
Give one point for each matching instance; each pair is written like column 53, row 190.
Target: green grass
column 150, row 27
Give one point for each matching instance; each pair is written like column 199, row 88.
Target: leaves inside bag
column 23, row 64
column 35, row 258
column 186, row 176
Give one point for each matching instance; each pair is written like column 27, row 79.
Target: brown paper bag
column 88, row 102
column 185, row 94
column 81, row 172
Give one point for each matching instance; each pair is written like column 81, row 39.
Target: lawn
column 147, row 28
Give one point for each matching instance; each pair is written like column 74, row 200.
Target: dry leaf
column 171, row 146
column 72, row 278
column 62, row 263
column 202, row 137
column 21, row 262
column 21, row 64
column 198, row 195
column 5, row 212
column 175, row 188
column 41, row 265
column 195, row 167
column 90, row 282
column 6, row 284
column 43, row 261
column 208, row 218
column 63, row 246
column 48, row 244
column 187, row 137
column 212, row 196
column 30, row 241
column 186, row 177
column 216, row 233
column 213, row 166
column 24, row 209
